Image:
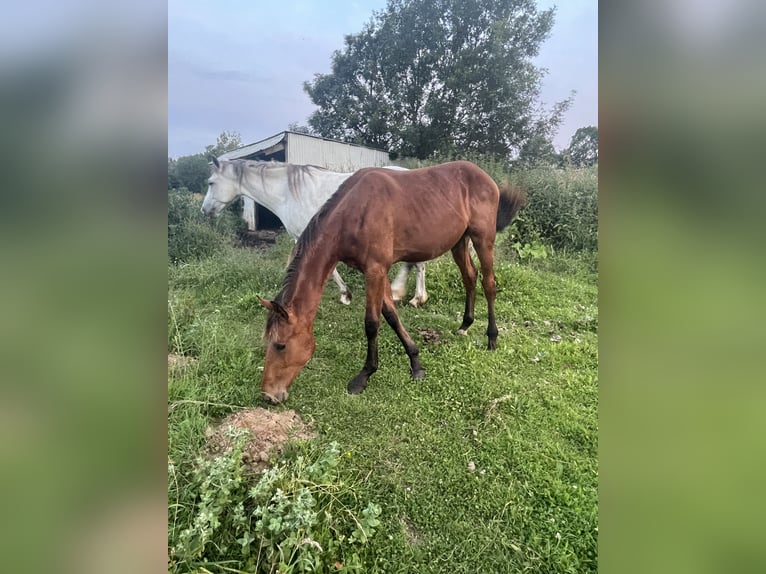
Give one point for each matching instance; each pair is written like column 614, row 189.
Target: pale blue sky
column 240, row 66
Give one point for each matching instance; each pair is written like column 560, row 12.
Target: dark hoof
column 491, row 345
column 357, row 385
column 419, row 375
column 279, row 397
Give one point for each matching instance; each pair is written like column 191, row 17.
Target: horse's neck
column 271, row 188
column 311, row 276
column 268, row 187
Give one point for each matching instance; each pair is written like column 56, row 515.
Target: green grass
column 525, row 415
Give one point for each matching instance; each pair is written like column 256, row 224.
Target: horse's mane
column 295, row 173
column 303, row 248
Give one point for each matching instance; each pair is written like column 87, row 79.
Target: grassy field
column 488, row 465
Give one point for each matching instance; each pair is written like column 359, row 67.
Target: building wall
column 335, row 156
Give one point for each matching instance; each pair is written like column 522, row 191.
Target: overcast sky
column 240, row 66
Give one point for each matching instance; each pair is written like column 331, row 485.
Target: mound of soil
column 429, row 335
column 270, row 431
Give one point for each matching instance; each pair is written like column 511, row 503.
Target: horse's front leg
column 375, row 284
column 345, row 292
column 392, row 318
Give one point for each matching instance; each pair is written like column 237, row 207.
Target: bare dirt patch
column 429, row 335
column 414, row 537
column 260, row 239
column 270, row 431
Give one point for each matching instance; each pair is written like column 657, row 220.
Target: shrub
column 190, row 235
column 561, row 209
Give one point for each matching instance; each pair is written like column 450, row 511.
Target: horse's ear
column 215, row 162
column 275, row 307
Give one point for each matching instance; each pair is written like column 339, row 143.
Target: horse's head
column 222, row 188
column 289, row 346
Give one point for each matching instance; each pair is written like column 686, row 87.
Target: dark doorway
column 266, row 219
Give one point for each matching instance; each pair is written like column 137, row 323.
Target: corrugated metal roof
column 332, row 140
column 252, row 148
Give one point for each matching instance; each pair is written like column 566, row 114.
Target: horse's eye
column 279, row 346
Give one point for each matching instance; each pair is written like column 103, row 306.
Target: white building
column 298, row 148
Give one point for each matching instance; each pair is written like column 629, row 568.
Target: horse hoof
column 357, row 385
column 346, row 299
column 279, row 397
column 418, row 301
column 491, row 345
column 419, row 375
column 461, row 332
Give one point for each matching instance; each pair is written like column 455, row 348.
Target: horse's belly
column 426, row 247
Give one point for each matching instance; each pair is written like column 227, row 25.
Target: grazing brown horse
column 376, row 218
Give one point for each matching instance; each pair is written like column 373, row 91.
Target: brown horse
column 376, row 218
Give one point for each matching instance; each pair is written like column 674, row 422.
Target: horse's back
column 413, row 215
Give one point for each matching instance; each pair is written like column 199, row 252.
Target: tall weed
column 561, row 209
column 192, row 236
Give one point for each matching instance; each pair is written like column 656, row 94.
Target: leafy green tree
column 173, row 182
column 583, row 147
column 426, row 76
column 192, row 171
column 226, row 141
column 299, row 128
column 538, row 150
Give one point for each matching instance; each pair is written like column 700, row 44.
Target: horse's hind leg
column 468, row 272
column 485, row 251
column 345, row 292
column 421, row 296
column 399, row 286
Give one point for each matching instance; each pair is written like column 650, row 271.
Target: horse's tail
column 512, row 198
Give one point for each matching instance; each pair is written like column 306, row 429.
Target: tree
column 427, row 76
column 192, row 172
column 226, row 141
column 583, row 147
column 299, row 128
column 536, row 151
column 172, row 178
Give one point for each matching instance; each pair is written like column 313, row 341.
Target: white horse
column 294, row 193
